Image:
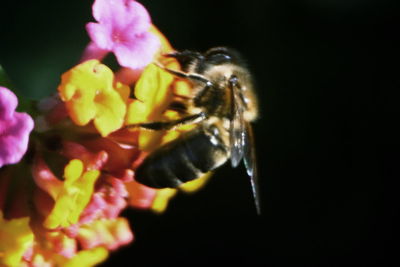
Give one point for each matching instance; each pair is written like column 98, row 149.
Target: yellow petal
column 153, row 89
column 72, row 199
column 165, row 45
column 87, row 258
column 137, row 112
column 196, row 184
column 123, row 90
column 109, row 233
column 89, row 93
column 182, row 88
column 15, row 238
column 161, row 200
column 110, row 112
column 73, row 171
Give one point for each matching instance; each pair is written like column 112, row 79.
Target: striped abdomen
column 184, row 159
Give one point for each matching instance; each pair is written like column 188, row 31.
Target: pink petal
column 136, row 16
column 137, row 53
column 102, row 10
column 14, row 138
column 45, row 179
column 141, row 196
column 92, row 161
column 15, row 128
column 123, row 29
column 8, row 103
column 121, row 12
column 101, row 35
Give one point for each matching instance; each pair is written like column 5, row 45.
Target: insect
column 223, row 106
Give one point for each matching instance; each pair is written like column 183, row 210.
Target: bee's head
column 223, row 55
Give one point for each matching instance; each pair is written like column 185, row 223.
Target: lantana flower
column 61, row 204
column 16, row 238
column 122, row 28
column 15, row 128
column 90, row 94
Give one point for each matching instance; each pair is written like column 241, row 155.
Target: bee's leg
column 166, row 125
column 193, row 77
column 186, row 57
column 179, row 106
column 233, row 81
column 185, row 54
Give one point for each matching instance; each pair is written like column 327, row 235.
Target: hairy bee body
column 222, row 106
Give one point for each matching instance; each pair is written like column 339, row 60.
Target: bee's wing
column 237, row 132
column 251, row 164
column 242, row 143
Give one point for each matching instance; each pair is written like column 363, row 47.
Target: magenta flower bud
column 15, row 128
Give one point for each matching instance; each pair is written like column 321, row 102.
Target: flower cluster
column 64, row 183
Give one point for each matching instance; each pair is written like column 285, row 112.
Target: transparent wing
column 242, row 143
column 251, row 165
column 237, row 133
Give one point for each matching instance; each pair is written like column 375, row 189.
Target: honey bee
column 222, row 107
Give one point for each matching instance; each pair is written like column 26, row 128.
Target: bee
column 222, row 107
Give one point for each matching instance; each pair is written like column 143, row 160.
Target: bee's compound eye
column 219, row 58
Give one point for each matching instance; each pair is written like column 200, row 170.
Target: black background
column 327, row 76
